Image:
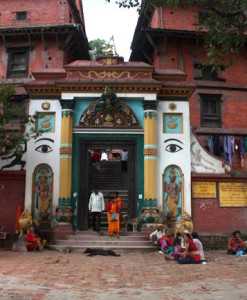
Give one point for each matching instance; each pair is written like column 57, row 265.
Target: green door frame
column 80, row 139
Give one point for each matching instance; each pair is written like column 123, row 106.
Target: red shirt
column 31, row 237
column 96, row 156
column 114, row 206
column 192, row 248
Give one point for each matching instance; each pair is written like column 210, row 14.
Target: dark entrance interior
column 108, row 167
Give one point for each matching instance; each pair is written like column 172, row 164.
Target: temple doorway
column 109, row 167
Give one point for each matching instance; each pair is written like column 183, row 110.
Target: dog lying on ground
column 99, row 251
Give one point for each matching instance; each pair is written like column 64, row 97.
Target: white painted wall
column 52, row 158
column 146, row 96
column 202, row 162
column 181, row 158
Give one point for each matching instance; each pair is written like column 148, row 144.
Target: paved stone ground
column 51, row 275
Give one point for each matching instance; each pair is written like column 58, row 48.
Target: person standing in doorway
column 124, row 160
column 96, row 206
column 113, row 215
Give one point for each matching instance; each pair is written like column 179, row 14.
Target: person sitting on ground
column 32, row 241
column 166, row 243
column 191, row 254
column 177, row 248
column 38, row 232
column 157, row 234
column 199, row 246
column 236, row 245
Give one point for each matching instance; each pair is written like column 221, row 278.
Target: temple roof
column 37, row 28
column 109, row 71
column 91, row 63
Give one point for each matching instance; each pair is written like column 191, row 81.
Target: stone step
column 93, row 237
column 102, row 243
column 104, row 233
column 64, row 247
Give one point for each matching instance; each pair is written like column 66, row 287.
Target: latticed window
column 21, row 15
column 210, row 110
column 18, row 63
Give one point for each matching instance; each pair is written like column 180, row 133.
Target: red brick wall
column 41, row 57
column 175, row 18
column 210, row 218
column 39, row 12
column 234, row 108
column 46, row 53
column 234, row 105
column 12, row 188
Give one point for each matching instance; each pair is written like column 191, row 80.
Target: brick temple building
column 35, row 36
column 169, row 39
column 182, row 126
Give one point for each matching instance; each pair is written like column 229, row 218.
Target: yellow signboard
column 204, row 189
column 233, row 194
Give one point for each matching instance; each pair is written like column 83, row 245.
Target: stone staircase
column 90, row 239
column 107, row 175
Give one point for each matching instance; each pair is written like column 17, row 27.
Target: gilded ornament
column 184, row 224
column 46, row 105
column 172, row 106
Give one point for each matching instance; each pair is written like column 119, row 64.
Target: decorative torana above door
column 108, row 112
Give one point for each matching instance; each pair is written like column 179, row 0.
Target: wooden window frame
column 21, row 15
column 17, row 74
column 206, row 118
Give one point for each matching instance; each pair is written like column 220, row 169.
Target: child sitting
column 32, row 241
column 157, row 234
column 236, row 245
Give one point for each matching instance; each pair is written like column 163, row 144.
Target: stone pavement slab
column 51, row 275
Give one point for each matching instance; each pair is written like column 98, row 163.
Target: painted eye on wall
column 173, row 148
column 43, row 149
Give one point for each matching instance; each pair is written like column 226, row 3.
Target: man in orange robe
column 113, row 215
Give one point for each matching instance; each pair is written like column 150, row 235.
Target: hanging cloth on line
column 210, row 144
column 229, row 142
column 217, row 150
column 241, row 151
column 245, row 144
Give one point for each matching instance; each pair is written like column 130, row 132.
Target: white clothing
column 124, row 155
column 199, row 247
column 156, row 234
column 96, row 202
column 104, row 156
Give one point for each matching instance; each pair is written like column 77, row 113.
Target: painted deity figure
column 172, row 193
column 43, row 193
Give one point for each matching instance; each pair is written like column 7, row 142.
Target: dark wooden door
column 12, row 189
column 84, row 188
column 132, row 198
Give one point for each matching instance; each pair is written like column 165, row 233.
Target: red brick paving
column 51, row 276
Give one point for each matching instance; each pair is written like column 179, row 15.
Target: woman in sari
column 113, row 215
column 191, row 254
